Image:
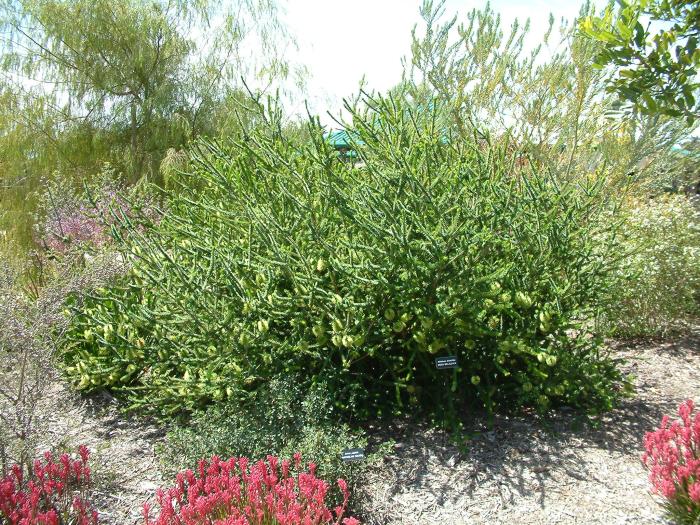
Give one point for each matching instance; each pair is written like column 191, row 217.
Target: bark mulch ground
column 524, row 471
column 520, row 471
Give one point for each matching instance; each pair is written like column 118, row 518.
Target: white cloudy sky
column 341, row 42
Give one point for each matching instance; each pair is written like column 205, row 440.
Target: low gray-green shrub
column 281, row 419
column 280, row 259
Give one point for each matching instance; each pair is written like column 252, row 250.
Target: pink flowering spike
column 344, row 489
column 17, row 473
column 694, row 492
column 285, row 468
column 351, row 521
column 685, row 409
column 84, row 453
column 52, row 517
column 250, row 495
column 202, row 467
column 77, row 469
column 672, row 456
column 273, row 461
column 42, row 498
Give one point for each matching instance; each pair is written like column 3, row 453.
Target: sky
column 342, row 42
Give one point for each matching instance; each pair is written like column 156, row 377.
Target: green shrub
column 277, row 259
column 659, row 282
column 281, row 418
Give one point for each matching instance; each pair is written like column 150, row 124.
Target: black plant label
column 442, row 363
column 352, row 454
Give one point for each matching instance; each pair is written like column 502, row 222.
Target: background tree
column 93, row 81
column 657, row 72
column 548, row 103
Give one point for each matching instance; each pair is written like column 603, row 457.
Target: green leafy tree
column 84, row 82
column 135, row 69
column 657, row 72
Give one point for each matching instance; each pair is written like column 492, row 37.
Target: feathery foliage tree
column 87, row 82
column 549, row 103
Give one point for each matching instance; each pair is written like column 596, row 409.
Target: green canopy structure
column 342, row 141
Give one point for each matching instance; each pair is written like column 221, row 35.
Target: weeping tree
column 92, row 81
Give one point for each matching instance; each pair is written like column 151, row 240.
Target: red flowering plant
column 673, row 459
column 55, row 493
column 240, row 492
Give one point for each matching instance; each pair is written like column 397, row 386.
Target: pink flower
column 694, row 492
column 46, row 495
column 672, row 456
column 84, row 453
column 251, row 494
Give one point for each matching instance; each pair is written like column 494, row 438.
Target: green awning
column 341, row 139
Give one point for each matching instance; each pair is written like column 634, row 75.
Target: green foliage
column 659, row 282
column 278, row 259
column 684, row 175
column 548, row 103
column 281, row 418
column 134, row 70
column 87, row 82
column 657, row 73
column 31, row 150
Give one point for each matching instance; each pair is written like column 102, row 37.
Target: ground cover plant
column 280, row 259
column 282, row 419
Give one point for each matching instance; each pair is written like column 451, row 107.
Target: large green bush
column 278, row 259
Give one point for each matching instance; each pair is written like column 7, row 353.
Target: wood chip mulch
column 523, row 470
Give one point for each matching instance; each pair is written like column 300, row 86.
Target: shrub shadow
column 527, row 455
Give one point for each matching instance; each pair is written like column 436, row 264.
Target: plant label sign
column 442, row 363
column 352, row 454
